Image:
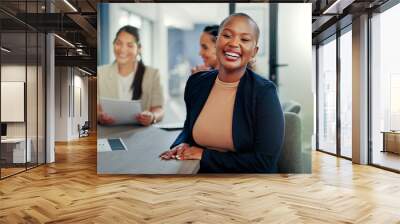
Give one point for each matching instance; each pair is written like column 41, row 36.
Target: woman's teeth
column 232, row 55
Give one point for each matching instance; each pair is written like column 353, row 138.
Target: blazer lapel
column 242, row 118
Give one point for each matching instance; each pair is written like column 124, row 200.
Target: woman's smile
column 231, row 55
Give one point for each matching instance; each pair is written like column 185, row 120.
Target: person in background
column 234, row 120
column 207, row 49
column 127, row 78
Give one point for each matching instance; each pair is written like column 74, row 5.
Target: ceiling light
column 65, row 41
column 84, row 71
column 5, row 50
column 338, row 6
column 70, row 5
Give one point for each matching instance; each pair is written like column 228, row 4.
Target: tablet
column 110, row 144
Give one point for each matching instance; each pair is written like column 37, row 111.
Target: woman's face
column 125, row 48
column 207, row 49
column 236, row 43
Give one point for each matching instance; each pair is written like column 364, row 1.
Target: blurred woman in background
column 207, row 49
column 127, row 78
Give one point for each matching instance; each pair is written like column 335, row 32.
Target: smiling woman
column 129, row 79
column 234, row 120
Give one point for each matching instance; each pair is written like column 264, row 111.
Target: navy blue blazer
column 257, row 126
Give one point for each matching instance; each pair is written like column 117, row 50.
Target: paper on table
column 122, row 111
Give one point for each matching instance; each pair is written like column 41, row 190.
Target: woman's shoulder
column 105, row 67
column 260, row 82
column 202, row 76
column 151, row 73
column 150, row 69
column 105, row 70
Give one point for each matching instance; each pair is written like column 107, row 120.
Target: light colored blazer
column 152, row 92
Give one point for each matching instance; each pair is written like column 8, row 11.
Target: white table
column 18, row 147
column 144, row 146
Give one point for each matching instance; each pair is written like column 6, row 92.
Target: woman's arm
column 102, row 117
column 157, row 95
column 156, row 112
column 269, row 131
column 147, row 118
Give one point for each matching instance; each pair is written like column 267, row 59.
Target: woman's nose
column 234, row 42
column 124, row 48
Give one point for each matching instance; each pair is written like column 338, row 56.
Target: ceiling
column 76, row 22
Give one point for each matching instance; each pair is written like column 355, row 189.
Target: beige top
column 213, row 127
column 108, row 84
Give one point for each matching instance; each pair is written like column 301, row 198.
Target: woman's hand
column 200, row 68
column 102, row 117
column 183, row 152
column 172, row 154
column 145, row 118
column 105, row 119
column 192, row 153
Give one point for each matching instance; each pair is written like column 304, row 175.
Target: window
column 385, row 86
column 346, row 94
column 327, row 96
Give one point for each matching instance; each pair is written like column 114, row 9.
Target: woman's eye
column 226, row 35
column 245, row 40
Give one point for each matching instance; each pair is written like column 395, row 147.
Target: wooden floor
column 70, row 191
column 10, row 171
column 387, row 159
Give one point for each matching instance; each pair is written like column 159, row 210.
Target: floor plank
column 70, row 191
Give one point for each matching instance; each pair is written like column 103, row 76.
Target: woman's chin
column 123, row 61
column 231, row 66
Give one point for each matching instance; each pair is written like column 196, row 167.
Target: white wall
column 68, row 81
column 294, row 49
column 314, row 91
column 33, row 126
column 80, row 83
column 15, row 73
column 61, row 104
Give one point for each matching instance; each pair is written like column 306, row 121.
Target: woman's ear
column 255, row 51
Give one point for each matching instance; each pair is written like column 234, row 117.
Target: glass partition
column 346, row 94
column 22, row 90
column 13, row 92
column 327, row 96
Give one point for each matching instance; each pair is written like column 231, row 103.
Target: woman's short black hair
column 131, row 30
column 212, row 30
